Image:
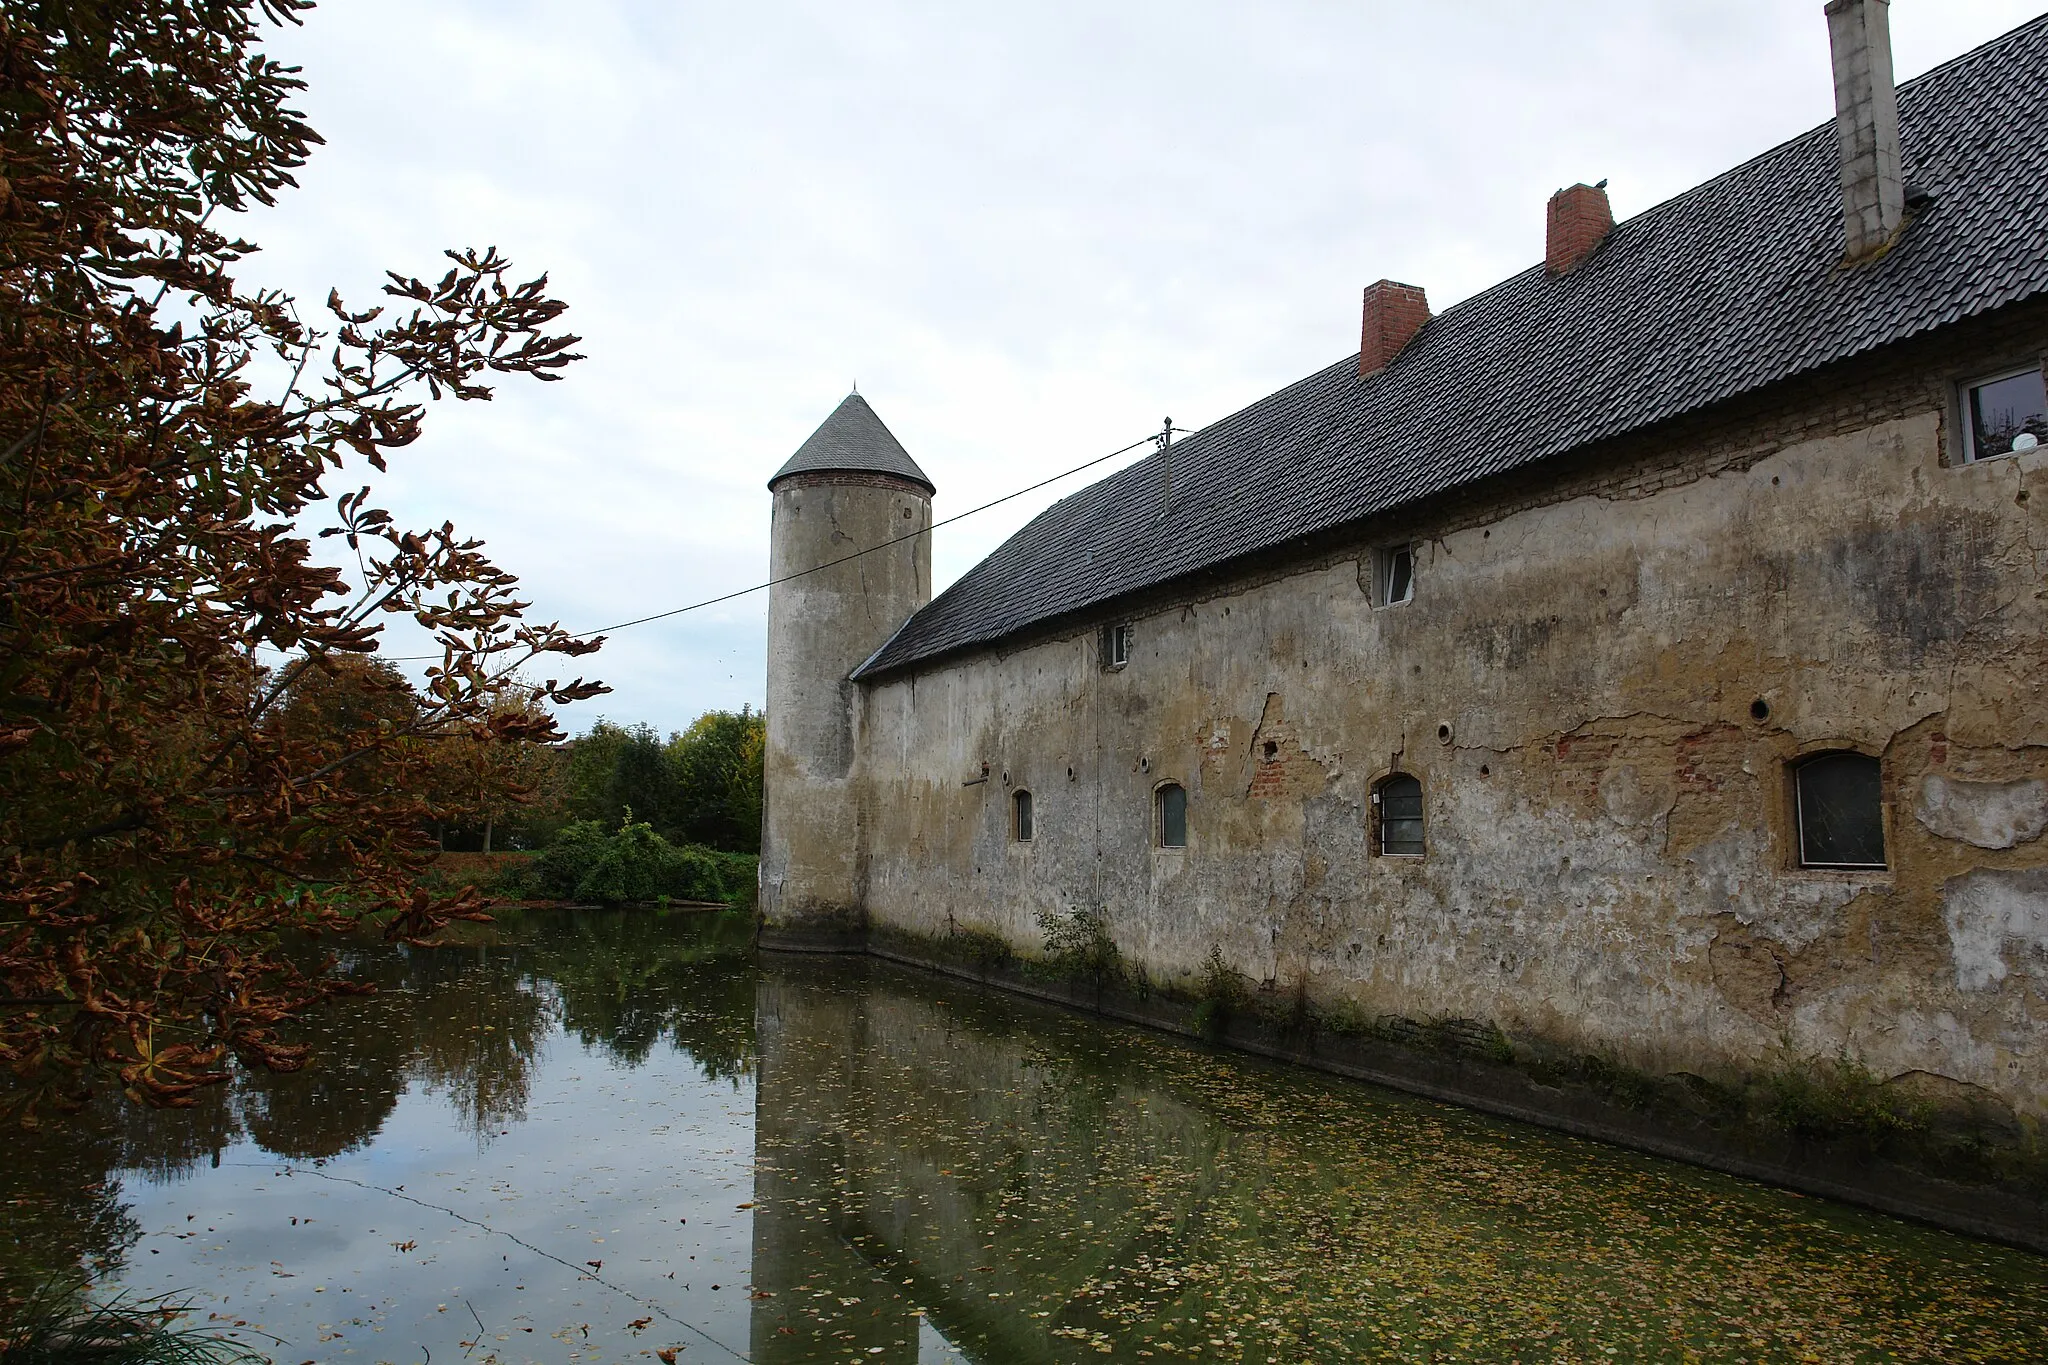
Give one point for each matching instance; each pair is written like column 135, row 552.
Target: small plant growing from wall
column 1835, row 1098
column 983, row 949
column 1221, row 991
column 1078, row 944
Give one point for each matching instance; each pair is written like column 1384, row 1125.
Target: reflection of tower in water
column 925, row 1176
column 817, row 1293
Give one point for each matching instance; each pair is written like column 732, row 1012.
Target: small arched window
column 1020, row 816
column 1399, row 820
column 1840, row 799
column 1171, row 804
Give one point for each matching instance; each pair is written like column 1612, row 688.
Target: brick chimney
column 1866, row 124
column 1394, row 313
column 1579, row 220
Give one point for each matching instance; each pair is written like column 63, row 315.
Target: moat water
column 623, row 1137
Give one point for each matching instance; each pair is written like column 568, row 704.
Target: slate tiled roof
column 1728, row 288
column 852, row 440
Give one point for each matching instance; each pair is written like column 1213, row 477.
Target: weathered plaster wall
column 1611, row 864
column 821, row 626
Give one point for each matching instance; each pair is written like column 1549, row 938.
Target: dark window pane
column 1841, row 811
column 1401, row 815
column 1023, row 804
column 2003, row 409
column 1173, row 817
column 1401, row 837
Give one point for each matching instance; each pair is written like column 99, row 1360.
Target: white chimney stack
column 1866, row 123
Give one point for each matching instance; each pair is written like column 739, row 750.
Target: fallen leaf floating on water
column 667, row 1354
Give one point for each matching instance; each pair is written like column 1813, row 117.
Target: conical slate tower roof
column 853, row 440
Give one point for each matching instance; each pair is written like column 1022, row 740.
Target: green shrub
column 1816, row 1097
column 633, row 863
column 1077, row 944
column 1220, row 991
column 560, row 867
column 981, row 948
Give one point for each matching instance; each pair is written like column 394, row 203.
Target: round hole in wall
column 1486, row 535
column 1760, row 709
column 1006, row 779
column 1070, row 774
column 1603, row 592
column 906, row 514
column 1485, row 771
column 1144, row 765
column 1417, row 669
column 1774, row 480
column 1272, row 749
column 1443, row 733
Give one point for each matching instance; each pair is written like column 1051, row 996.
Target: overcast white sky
column 1029, row 232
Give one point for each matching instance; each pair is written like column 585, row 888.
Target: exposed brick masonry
column 1579, row 220
column 1394, row 313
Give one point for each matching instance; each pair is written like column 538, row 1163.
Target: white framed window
column 1116, row 646
column 2004, row 414
column 1393, row 575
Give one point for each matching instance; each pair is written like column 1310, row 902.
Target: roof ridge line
column 1819, row 129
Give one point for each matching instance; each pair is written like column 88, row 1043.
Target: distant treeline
column 701, row 786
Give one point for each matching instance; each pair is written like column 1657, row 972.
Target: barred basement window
column 1840, row 800
column 1171, row 802
column 1398, row 822
column 1393, row 575
column 1020, row 816
column 2005, row 414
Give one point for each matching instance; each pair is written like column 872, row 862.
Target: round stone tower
column 850, row 560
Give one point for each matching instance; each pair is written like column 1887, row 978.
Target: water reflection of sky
column 640, row 1169
column 609, row 1137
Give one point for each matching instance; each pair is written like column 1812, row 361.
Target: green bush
column 633, row 863
column 703, row 786
column 561, row 865
column 983, row 949
column 1818, row 1097
column 1220, row 993
column 1078, row 944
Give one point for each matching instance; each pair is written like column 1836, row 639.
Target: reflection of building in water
column 912, row 1165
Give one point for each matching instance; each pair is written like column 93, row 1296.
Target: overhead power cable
column 1159, row 439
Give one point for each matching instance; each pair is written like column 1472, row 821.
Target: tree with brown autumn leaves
column 167, row 824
